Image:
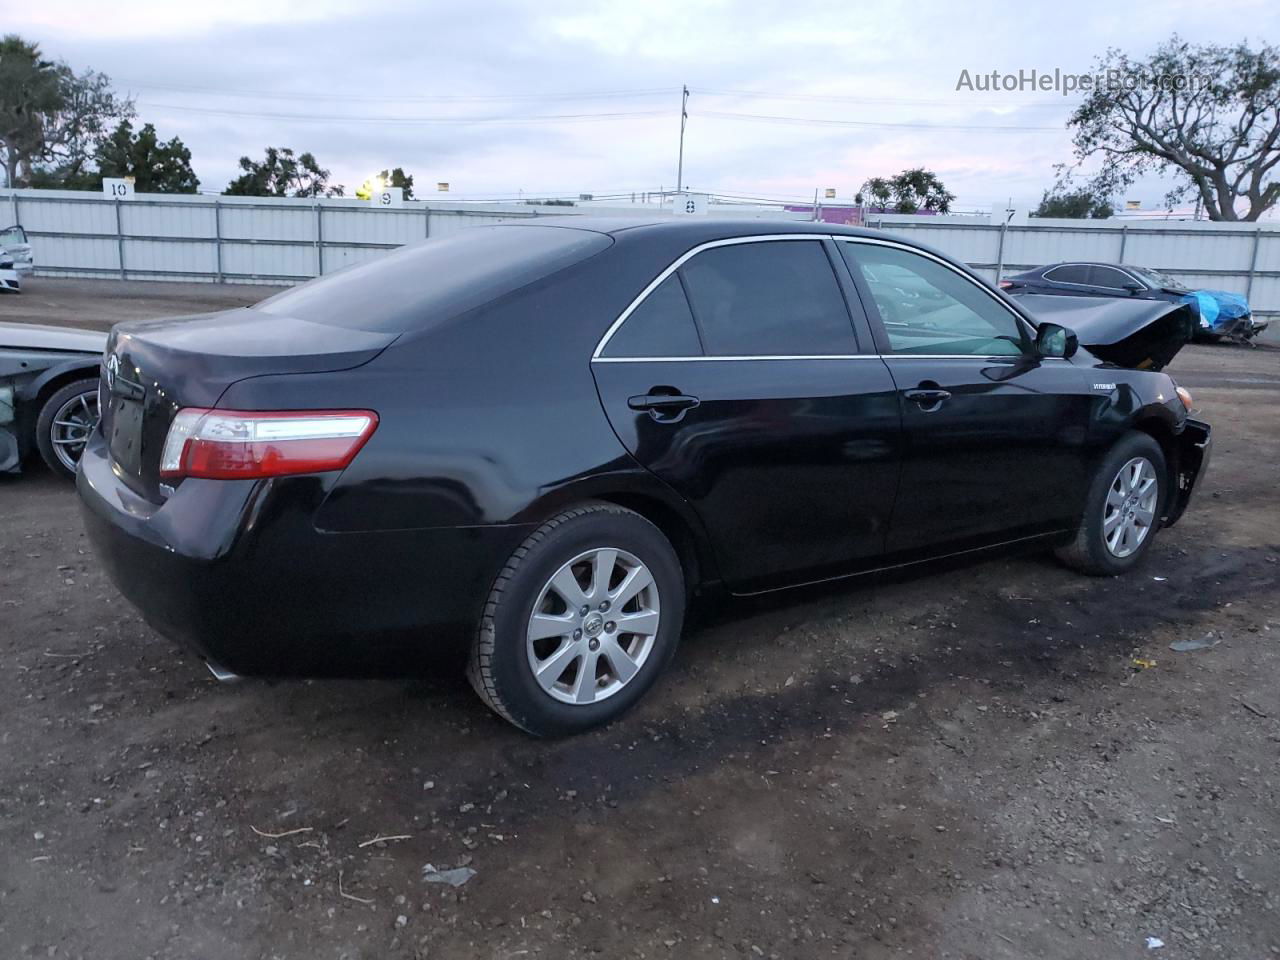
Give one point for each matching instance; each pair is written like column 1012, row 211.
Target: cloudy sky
column 547, row 98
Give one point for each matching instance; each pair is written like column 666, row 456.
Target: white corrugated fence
column 285, row 240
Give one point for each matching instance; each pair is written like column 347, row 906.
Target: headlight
column 1185, row 396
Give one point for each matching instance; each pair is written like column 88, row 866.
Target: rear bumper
column 237, row 571
column 1195, row 447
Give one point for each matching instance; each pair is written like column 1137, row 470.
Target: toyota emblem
column 113, row 368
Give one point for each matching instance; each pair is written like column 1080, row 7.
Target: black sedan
column 48, row 394
column 1219, row 313
column 541, row 439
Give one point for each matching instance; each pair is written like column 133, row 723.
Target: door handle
column 666, row 407
column 929, row 398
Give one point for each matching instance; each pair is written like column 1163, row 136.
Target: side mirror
column 1055, row 341
column 1134, row 288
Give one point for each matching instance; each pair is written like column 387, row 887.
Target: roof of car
column 696, row 226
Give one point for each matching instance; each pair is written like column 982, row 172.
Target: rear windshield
column 437, row 279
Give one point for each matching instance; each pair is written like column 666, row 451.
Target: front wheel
column 580, row 622
column 1122, row 510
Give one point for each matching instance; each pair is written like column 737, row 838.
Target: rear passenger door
column 742, row 379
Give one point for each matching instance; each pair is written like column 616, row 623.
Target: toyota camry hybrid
column 540, row 439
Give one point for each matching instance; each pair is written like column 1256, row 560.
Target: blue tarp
column 1219, row 310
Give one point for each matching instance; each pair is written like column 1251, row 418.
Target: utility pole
column 684, row 115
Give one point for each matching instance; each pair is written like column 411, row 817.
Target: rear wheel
column 580, row 622
column 1122, row 510
column 64, row 424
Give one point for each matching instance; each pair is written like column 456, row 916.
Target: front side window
column 1109, row 277
column 661, row 326
column 926, row 307
column 768, row 298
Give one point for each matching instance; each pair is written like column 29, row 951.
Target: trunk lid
column 152, row 369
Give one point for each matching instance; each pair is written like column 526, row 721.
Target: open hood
column 1142, row 334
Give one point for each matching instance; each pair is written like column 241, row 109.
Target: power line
column 391, row 98
column 817, row 121
column 890, row 101
column 337, row 118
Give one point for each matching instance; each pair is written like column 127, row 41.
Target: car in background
column 48, row 394
column 15, row 246
column 9, row 280
column 1220, row 314
column 537, row 439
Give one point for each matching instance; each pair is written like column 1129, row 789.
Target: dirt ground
column 996, row 760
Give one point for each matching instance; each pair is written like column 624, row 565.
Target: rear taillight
column 243, row 444
column 1006, row 284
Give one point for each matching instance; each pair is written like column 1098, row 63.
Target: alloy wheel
column 72, row 425
column 593, row 626
column 1129, row 512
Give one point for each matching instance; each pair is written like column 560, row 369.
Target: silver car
column 16, row 260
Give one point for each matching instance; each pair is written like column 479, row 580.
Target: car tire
column 1107, row 542
column 47, row 423
column 541, row 683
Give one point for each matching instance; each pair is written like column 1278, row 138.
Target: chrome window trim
column 718, row 359
column 985, row 358
column 673, row 267
column 1079, row 263
column 839, row 238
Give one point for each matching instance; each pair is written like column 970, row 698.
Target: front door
column 740, row 380
column 994, row 435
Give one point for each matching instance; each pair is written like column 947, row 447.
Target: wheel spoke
column 584, row 685
column 644, row 623
column 1113, row 538
column 635, row 581
column 566, row 584
column 602, row 565
column 1115, row 498
column 1146, row 515
column 543, row 625
column 68, row 441
column 1110, row 523
column 551, row 669
column 620, row 662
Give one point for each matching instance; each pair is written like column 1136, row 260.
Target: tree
column 909, row 192
column 1089, row 202
column 392, row 178
column 281, row 174
column 30, row 90
column 1210, row 115
column 49, row 115
column 155, row 167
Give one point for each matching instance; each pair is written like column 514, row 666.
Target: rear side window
column 771, row 298
column 662, row 326
column 420, row 285
column 1071, row 273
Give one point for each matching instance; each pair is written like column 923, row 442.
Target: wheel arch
column 55, row 378
column 1159, row 426
column 647, row 496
